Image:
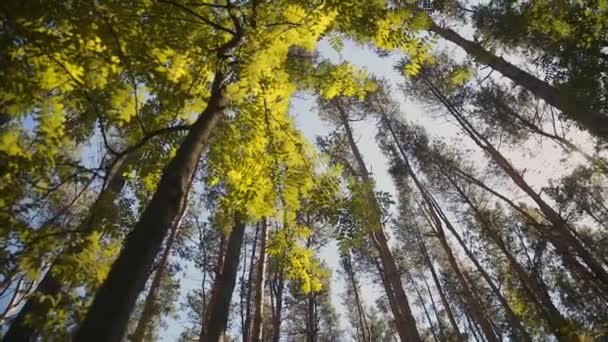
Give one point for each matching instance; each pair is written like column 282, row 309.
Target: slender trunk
column 561, row 236
column 442, row 295
column 413, row 176
column 107, row 318
column 558, row 324
column 404, row 319
column 424, row 309
column 277, row 314
column 365, row 332
column 224, row 285
column 311, row 319
column 473, row 328
column 256, row 332
column 50, row 286
column 434, row 305
column 472, row 301
column 511, row 316
column 247, row 327
column 595, row 123
column 150, row 310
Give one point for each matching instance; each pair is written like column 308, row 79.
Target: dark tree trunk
column 559, row 325
column 144, row 325
column 311, row 318
column 473, row 302
column 595, row 123
column 424, row 309
column 435, row 310
column 256, row 331
column 277, row 313
column 107, row 318
column 404, row 319
column 249, row 285
column 20, row 330
column 224, row 285
column 442, row 295
column 561, row 235
column 364, row 326
column 515, row 322
column 419, row 238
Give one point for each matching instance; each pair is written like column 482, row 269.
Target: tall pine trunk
column 472, row 301
column 442, row 295
column 561, row 235
column 278, row 286
column 311, row 317
column 249, row 285
column 20, row 330
column 223, row 286
column 107, row 318
column 595, row 123
column 424, row 309
column 513, row 319
column 404, row 319
column 144, row 324
column 258, row 314
column 557, row 322
column 350, row 274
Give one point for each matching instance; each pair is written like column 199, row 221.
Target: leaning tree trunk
column 556, row 321
column 256, row 330
column 386, row 121
column 561, row 235
column 472, row 301
column 107, row 318
column 595, row 123
column 404, row 319
column 424, row 308
column 350, row 273
column 442, row 295
column 311, row 317
column 249, row 284
column 277, row 313
column 513, row 319
column 224, row 285
column 145, row 322
column 50, row 286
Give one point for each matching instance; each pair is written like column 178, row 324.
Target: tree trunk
column 419, row 238
column 472, row 301
column 444, row 299
column 20, row 330
column 249, row 284
column 424, row 309
column 365, row 332
column 515, row 322
column 277, row 289
column 311, row 318
column 107, row 318
column 404, row 319
column 561, row 235
column 224, row 285
column 144, row 325
column 435, row 310
column 595, row 123
column 558, row 324
column 256, row 331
